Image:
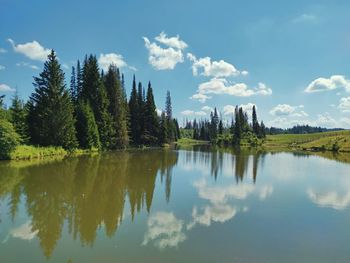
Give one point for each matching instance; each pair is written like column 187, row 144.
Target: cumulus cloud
column 282, row 110
column 206, row 67
column 344, row 104
column 191, row 112
column 25, row 64
column 165, row 58
column 32, row 50
column 332, row 83
column 165, row 230
column 222, row 86
column 288, row 110
column 6, row 88
column 200, row 97
column 326, row 120
column 105, row 60
column 174, row 42
column 230, row 109
column 207, row 109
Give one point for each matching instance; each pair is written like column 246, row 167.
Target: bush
column 9, row 139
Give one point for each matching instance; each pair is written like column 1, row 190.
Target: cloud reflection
column 165, row 230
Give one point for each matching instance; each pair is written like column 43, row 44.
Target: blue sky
column 290, row 58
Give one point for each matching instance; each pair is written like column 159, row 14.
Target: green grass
column 188, row 141
column 327, row 141
column 27, row 152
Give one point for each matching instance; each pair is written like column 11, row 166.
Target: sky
column 289, row 58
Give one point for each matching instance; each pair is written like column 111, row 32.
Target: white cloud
column 191, row 112
column 222, row 86
column 305, row 18
column 32, row 50
column 212, row 213
column 326, row 120
column 105, row 60
column 282, row 110
column 25, row 64
column 344, row 104
column 165, row 58
column 212, row 68
column 24, row 232
column 207, row 109
column 229, row 109
column 332, row 83
column 200, row 97
column 2, row 50
column 330, row 199
column 165, row 230
column 2, row 67
column 6, row 88
column 174, row 42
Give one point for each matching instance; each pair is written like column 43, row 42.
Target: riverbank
column 337, row 141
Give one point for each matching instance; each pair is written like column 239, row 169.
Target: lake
column 184, row 205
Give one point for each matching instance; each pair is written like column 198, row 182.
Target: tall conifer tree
column 50, row 116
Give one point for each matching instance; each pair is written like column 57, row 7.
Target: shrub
column 9, row 139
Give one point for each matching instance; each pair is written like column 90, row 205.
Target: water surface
column 194, row 205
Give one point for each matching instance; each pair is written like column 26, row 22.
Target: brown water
column 197, row 205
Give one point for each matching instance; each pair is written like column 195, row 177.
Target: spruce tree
column 94, row 92
column 50, row 110
column 18, row 118
column 87, row 130
column 163, row 129
column 255, row 122
column 221, row 127
column 169, row 117
column 117, row 106
column 151, row 118
column 237, row 128
column 134, row 114
column 73, row 86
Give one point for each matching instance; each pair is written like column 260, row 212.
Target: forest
column 92, row 113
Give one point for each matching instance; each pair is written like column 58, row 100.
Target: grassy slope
column 315, row 141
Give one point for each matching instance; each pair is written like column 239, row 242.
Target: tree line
column 93, row 112
column 210, row 129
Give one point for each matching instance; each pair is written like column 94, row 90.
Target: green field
column 324, row 141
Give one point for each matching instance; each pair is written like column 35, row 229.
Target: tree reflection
column 87, row 192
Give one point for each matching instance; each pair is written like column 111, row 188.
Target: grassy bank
column 338, row 141
column 188, row 142
column 27, row 152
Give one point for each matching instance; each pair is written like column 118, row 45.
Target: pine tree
column 117, row 107
column 141, row 112
column 255, row 122
column 87, row 130
column 163, row 129
column 262, row 131
column 79, row 80
column 50, row 116
column 151, row 118
column 169, row 118
column 221, row 127
column 134, row 114
column 94, row 92
column 73, row 86
column 237, row 127
column 18, row 118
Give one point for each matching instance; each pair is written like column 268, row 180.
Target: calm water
column 196, row 205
